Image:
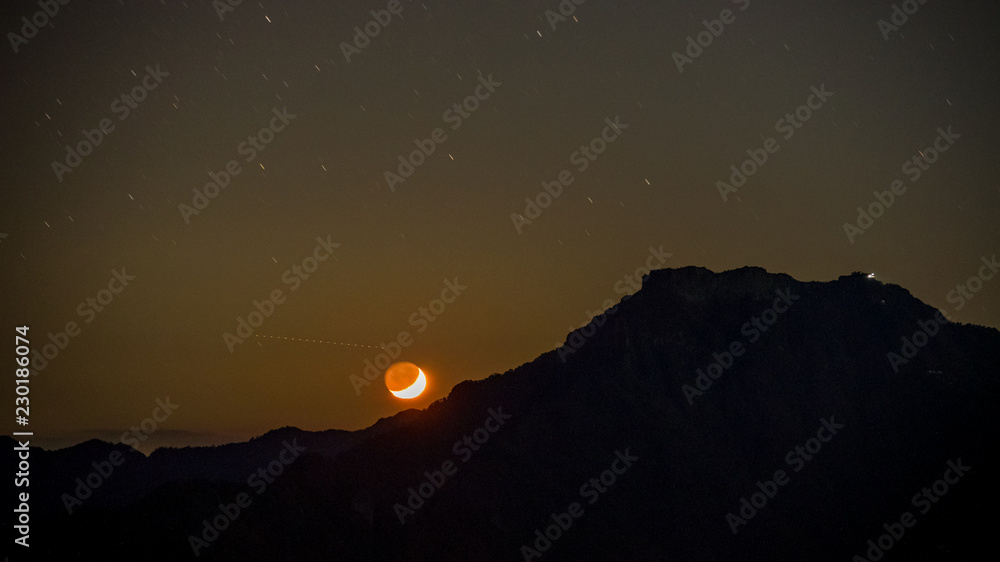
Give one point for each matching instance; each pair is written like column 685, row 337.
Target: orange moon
column 405, row 380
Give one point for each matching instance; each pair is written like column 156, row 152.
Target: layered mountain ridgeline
column 733, row 416
column 98, row 474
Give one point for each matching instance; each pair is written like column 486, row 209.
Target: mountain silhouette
column 638, row 439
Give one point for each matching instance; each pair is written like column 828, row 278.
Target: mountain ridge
column 823, row 358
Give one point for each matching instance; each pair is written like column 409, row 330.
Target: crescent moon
column 413, row 390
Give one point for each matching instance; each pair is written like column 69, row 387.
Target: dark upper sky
column 885, row 97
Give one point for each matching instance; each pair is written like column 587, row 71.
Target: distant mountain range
column 740, row 415
column 162, row 437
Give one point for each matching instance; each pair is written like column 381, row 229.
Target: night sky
column 642, row 192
